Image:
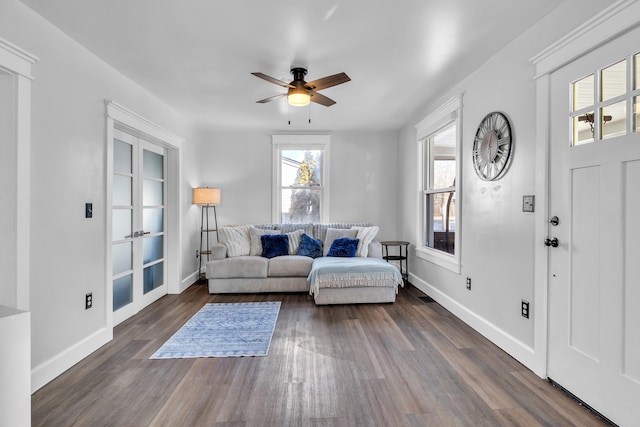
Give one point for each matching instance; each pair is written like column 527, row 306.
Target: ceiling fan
column 300, row 93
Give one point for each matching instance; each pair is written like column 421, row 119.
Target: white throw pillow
column 337, row 233
column 366, row 236
column 236, row 239
column 255, row 240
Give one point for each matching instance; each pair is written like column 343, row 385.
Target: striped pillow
column 236, row 239
column 294, row 241
column 366, row 236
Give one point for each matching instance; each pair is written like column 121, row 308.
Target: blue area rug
column 224, row 330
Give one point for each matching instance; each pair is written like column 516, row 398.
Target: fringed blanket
column 333, row 272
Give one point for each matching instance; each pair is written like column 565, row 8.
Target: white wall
column 497, row 246
column 362, row 175
column 67, row 170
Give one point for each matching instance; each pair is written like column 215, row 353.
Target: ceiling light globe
column 299, row 99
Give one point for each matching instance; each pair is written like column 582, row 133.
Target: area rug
column 224, row 330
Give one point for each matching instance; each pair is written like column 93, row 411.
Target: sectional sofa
column 238, row 264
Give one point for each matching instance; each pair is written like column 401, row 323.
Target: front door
column 594, row 271
column 138, row 218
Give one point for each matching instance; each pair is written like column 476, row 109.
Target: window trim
column 299, row 142
column 447, row 113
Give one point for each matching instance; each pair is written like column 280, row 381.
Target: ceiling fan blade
column 321, row 99
column 328, row 81
column 271, row 98
column 272, row 80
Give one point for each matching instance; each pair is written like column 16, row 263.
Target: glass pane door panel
column 153, row 248
column 614, row 80
column 636, row 113
column 152, row 193
column 637, row 68
column 153, row 165
column 614, row 120
column 584, row 93
column 121, row 224
column 152, row 220
column 122, row 292
column 582, row 128
column 121, row 156
column 121, row 190
column 153, row 276
column 122, row 258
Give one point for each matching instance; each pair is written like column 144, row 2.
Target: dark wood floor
column 405, row 364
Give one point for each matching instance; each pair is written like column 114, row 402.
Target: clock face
column 492, row 147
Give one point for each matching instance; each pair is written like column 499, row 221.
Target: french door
column 138, row 224
column 594, row 290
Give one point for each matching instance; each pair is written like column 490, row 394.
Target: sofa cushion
column 241, row 266
column 275, row 245
column 255, row 235
column 344, row 247
column 366, row 236
column 236, row 239
column 310, row 247
column 294, row 241
column 290, row 265
column 337, row 233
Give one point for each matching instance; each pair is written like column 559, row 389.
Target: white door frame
column 18, row 64
column 613, row 21
column 121, row 117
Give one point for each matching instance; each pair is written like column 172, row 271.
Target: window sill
column 441, row 259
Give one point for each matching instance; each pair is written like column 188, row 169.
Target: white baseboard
column 47, row 371
column 188, row 281
column 514, row 347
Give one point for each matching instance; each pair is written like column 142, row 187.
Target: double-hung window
column 300, row 190
column 439, row 183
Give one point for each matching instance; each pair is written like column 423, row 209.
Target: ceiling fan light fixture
column 298, row 97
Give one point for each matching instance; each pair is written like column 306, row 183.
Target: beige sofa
column 255, row 274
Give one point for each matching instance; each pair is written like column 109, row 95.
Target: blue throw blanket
column 334, row 272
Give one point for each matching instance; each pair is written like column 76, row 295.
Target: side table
column 402, row 255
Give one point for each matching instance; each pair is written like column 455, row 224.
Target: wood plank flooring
column 405, row 364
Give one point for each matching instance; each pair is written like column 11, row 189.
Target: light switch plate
column 528, row 203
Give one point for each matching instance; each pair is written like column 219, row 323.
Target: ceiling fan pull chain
column 309, row 113
column 289, row 115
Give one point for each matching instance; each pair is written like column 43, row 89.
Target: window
column 606, row 103
column 439, row 215
column 300, row 178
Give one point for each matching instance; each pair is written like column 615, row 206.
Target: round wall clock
column 492, row 147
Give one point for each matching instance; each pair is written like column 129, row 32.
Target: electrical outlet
column 468, row 283
column 88, row 301
column 525, row 309
column 197, row 253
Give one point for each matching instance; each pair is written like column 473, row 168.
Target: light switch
column 528, row 203
column 88, row 210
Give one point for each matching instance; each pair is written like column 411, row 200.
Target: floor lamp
column 206, row 197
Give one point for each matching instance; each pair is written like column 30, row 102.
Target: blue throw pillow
column 310, row 247
column 274, row 245
column 344, row 247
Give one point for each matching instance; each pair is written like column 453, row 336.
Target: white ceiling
column 197, row 55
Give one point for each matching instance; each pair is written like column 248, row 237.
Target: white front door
column 138, row 218
column 594, row 272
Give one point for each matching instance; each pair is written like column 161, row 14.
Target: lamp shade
column 206, row 196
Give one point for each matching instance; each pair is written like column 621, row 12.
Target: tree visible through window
column 301, row 196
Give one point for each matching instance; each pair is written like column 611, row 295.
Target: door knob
column 554, row 221
column 551, row 242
